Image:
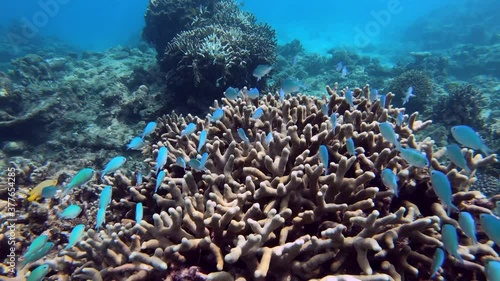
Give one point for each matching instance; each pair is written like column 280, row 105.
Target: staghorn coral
column 268, row 211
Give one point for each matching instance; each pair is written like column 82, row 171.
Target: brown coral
column 270, row 210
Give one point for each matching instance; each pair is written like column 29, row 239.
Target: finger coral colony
column 269, row 185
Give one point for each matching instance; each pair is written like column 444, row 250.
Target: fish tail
column 487, row 151
column 467, row 169
column 451, row 206
column 398, row 146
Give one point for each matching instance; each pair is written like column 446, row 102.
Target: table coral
column 268, row 210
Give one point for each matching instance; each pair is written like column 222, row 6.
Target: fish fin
column 487, row 151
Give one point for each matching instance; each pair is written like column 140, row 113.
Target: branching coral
column 270, row 210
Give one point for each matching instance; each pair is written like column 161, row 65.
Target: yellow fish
column 36, row 193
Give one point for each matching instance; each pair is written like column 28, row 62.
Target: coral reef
column 220, row 47
column 268, row 209
column 45, row 113
column 463, row 105
column 422, row 89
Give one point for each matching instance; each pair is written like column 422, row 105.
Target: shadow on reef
column 204, row 47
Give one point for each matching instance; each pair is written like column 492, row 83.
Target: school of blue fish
column 463, row 135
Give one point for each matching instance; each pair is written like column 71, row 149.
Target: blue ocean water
column 320, row 25
column 87, row 25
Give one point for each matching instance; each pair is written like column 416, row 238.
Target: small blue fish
column 113, row 165
column 373, row 95
column 390, row 180
column 181, row 162
column 42, row 252
column 382, row 99
column 36, row 245
column 81, row 178
column 290, row 86
column 161, row 159
column 105, row 197
column 269, row 138
column 454, row 153
column 349, row 98
column 491, row 226
column 324, row 109
column 135, row 143
column 71, row 212
column 437, row 261
column 191, row 127
column 261, row 70
column 468, row 226
column 339, row 66
column 295, row 60
column 344, row 72
column 139, row 210
column 49, row 191
column 282, row 95
column 388, row 133
column 400, row 118
column 203, row 160
column 450, row 241
column 442, row 188
column 149, row 129
column 258, row 113
column 232, row 93
column 253, row 93
column 101, row 218
column 194, row 164
column 414, row 157
column 408, row 95
column 466, row 136
column 75, row 236
column 217, row 115
column 333, row 120
column 350, row 146
column 492, row 270
column 138, row 181
column 243, row 135
column 203, row 139
column 323, row 157
column 159, row 179
column 39, row 273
